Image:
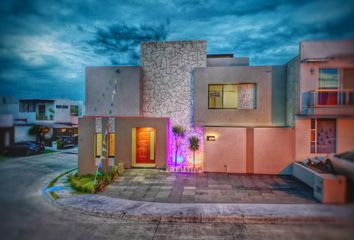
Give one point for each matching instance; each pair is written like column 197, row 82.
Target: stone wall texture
column 168, row 85
column 292, row 91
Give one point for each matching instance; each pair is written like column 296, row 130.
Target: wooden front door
column 145, row 145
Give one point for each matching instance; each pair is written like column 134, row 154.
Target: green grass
column 53, row 182
column 83, row 183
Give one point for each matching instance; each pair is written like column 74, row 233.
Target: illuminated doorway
column 143, row 147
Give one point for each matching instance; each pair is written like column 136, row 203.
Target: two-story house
column 249, row 119
column 60, row 116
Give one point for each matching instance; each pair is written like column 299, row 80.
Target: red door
column 145, row 145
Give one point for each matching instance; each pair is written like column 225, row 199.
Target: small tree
column 37, row 131
column 178, row 133
column 194, row 146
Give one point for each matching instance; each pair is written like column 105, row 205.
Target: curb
column 116, row 208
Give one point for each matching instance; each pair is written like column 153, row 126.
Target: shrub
column 86, row 183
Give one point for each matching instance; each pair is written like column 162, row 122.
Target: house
column 249, row 119
column 59, row 116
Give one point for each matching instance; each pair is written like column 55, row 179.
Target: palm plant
column 194, row 146
column 178, row 133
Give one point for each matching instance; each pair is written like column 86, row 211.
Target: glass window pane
column 215, row 96
column 230, row 96
column 98, row 144
column 328, row 78
column 111, row 144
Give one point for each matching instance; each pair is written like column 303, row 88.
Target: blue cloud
column 45, row 45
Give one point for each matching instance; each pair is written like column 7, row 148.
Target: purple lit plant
column 178, row 133
column 194, row 146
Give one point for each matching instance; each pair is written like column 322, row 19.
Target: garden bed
column 95, row 183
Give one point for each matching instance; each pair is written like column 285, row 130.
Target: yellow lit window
column 111, row 144
column 98, row 142
column 230, row 96
column 215, row 96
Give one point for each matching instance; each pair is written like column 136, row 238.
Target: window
column 58, row 106
column 27, row 106
column 65, row 107
column 323, row 136
column 232, row 96
column 328, row 78
column 74, row 110
column 215, row 96
column 110, row 144
column 98, row 141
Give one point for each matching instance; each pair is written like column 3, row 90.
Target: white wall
column 21, row 134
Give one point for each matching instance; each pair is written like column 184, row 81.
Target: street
column 25, row 214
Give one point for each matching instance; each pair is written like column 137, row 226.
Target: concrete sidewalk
column 98, row 205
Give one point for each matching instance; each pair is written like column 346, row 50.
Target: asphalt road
column 25, row 214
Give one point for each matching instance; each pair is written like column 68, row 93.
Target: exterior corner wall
column 278, row 104
column 274, row 150
column 86, row 156
column 228, row 152
column 292, row 90
column 302, row 138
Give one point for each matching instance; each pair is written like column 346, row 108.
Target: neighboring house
column 249, row 119
column 7, row 129
column 60, row 116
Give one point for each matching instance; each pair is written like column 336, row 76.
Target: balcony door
column 328, row 86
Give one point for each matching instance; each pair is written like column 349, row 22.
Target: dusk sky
column 45, row 45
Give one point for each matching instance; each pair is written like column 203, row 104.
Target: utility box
column 329, row 188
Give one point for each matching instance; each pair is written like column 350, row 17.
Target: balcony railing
column 327, row 98
column 44, row 117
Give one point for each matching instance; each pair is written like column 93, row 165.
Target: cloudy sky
column 45, row 45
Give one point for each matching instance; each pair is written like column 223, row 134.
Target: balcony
column 328, row 102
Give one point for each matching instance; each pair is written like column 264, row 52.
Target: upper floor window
column 61, row 106
column 74, row 110
column 329, row 78
column 232, row 96
column 27, row 106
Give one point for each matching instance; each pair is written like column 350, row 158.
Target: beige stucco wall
column 274, row 150
column 86, row 157
column 100, row 84
column 345, row 134
column 325, row 49
column 228, row 149
column 124, row 128
column 261, row 76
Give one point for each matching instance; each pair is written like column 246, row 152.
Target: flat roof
column 223, row 55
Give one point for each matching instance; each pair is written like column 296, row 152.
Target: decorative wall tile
column 168, row 86
column 247, row 96
column 98, row 125
column 111, row 125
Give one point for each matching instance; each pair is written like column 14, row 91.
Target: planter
column 327, row 188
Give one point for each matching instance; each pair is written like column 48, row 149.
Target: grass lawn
column 48, row 151
column 83, row 183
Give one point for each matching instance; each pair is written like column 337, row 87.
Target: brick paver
column 158, row 186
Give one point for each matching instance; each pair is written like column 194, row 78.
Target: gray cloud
column 45, row 45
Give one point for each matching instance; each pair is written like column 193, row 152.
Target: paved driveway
column 158, row 186
column 25, row 214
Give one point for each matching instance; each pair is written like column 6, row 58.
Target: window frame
column 222, row 94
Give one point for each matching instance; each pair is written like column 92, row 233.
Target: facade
column 249, row 119
column 60, row 116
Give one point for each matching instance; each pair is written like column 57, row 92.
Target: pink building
column 249, row 119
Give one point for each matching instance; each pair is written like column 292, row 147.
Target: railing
column 328, row 98
column 44, row 117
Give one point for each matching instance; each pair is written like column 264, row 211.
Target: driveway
column 158, row 186
column 25, row 214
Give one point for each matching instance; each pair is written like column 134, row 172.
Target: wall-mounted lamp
column 312, row 71
column 211, row 138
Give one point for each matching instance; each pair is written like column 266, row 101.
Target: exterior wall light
column 211, row 138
